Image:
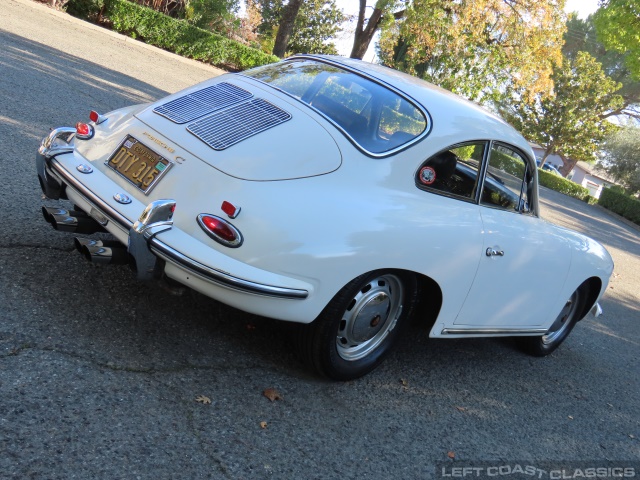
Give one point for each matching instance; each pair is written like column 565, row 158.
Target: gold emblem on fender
column 158, row 142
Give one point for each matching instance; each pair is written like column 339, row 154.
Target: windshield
column 376, row 118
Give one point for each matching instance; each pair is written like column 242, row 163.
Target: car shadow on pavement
column 59, row 83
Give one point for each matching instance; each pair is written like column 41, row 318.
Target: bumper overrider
column 144, row 250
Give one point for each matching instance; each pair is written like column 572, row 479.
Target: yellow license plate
column 138, row 164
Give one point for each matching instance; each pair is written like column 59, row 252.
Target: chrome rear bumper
column 143, row 245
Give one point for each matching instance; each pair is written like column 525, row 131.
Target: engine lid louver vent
column 238, row 122
column 202, row 102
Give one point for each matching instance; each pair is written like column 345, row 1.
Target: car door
column 524, row 264
column 451, row 233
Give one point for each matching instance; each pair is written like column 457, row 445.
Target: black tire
column 359, row 326
column 561, row 328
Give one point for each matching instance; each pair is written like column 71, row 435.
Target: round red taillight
column 220, row 230
column 84, row 131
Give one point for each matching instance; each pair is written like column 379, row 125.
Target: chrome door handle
column 494, row 253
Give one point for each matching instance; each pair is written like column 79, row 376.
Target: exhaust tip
column 80, row 243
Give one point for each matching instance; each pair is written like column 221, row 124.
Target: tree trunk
column 289, row 14
column 364, row 35
column 547, row 152
column 567, row 165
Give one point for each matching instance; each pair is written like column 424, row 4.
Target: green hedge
column 562, row 185
column 628, row 207
column 177, row 36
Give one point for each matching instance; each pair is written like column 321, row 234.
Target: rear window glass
column 374, row 117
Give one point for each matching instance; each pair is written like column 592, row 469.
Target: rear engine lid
column 245, row 131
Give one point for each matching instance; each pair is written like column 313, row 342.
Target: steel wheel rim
column 370, row 316
column 563, row 320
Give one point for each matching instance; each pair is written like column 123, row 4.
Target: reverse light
column 220, row 230
column 84, row 131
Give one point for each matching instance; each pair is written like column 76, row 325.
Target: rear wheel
column 358, row 328
column 559, row 331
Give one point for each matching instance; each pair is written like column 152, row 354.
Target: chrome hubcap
column 563, row 321
column 371, row 315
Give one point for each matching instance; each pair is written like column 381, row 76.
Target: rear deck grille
column 202, row 102
column 236, row 123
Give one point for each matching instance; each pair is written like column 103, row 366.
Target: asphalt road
column 99, row 374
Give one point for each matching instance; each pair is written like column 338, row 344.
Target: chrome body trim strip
column 171, row 255
column 222, row 278
column 494, row 331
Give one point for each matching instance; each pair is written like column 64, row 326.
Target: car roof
column 449, row 112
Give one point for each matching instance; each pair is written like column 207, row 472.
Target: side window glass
column 453, row 171
column 506, row 181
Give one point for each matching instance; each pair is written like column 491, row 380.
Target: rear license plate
column 138, row 164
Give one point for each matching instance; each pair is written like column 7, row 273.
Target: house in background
column 554, row 160
column 590, row 177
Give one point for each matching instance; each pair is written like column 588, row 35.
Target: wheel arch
column 429, row 300
column 593, row 286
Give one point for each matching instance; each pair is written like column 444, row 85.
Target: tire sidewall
column 328, row 323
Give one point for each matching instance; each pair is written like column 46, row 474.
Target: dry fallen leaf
column 570, row 417
column 272, row 394
column 202, row 399
column 461, row 409
column 404, row 382
column 263, row 425
column 451, row 454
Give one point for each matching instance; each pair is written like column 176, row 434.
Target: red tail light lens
column 84, row 131
column 220, row 230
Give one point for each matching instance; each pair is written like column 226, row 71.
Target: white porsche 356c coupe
column 333, row 193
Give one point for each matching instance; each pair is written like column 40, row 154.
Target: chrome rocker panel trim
column 494, row 331
column 169, row 254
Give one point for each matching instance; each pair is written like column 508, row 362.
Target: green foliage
column 318, row 21
column 562, row 185
column 590, row 200
column 569, row 122
column 628, row 207
column 507, row 163
column 88, row 9
column 213, row 15
column 581, row 37
column 180, row 37
column 621, row 153
column 475, row 48
column 618, row 25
